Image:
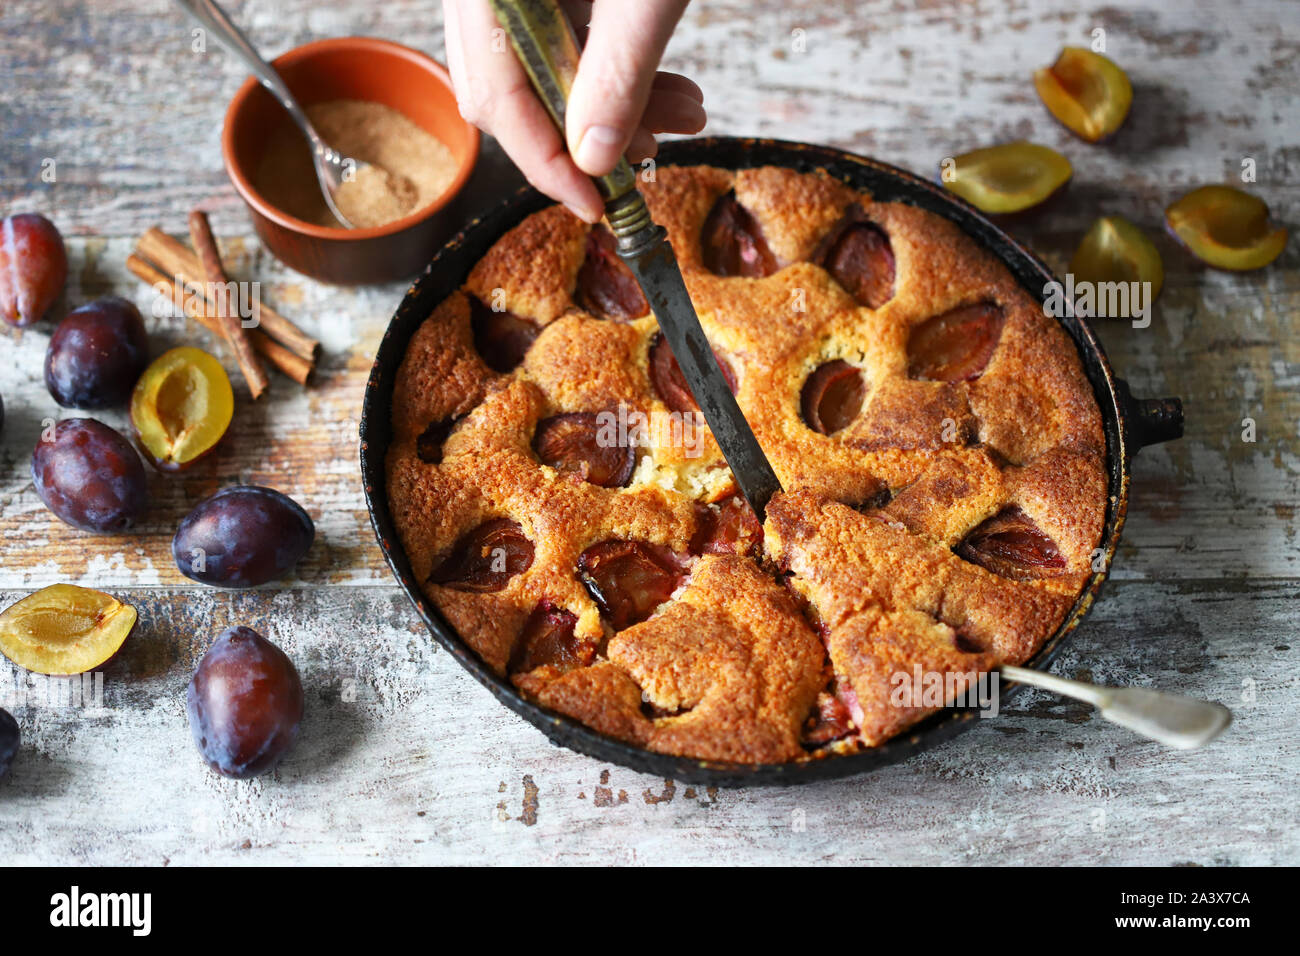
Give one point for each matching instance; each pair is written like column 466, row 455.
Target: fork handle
column 1171, row 719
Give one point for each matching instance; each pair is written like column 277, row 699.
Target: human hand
column 618, row 102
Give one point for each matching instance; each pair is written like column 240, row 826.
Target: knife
column 546, row 46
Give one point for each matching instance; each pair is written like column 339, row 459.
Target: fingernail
column 599, row 149
column 586, row 215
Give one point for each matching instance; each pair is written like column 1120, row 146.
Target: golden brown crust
column 885, row 658
column 953, row 495
column 587, row 364
column 441, row 376
column 733, row 659
column 679, row 199
column 531, row 270
column 878, row 535
column 1034, row 395
column 602, row 696
column 843, row 560
column 795, row 209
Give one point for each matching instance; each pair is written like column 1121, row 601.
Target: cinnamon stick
column 231, row 327
column 175, row 258
column 280, row 358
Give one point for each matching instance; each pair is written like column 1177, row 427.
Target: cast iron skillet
column 1130, row 424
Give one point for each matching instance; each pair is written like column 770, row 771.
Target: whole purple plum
column 244, row 703
column 9, row 740
column 96, row 354
column 89, row 476
column 242, row 537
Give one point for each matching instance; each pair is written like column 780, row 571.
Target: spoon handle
column 209, row 15
column 1171, row 719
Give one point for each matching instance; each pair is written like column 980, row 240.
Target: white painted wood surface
column 403, row 758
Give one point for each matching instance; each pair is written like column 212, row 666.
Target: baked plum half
column 486, row 558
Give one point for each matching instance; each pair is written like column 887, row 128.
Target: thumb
column 625, row 42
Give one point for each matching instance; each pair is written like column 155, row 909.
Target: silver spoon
column 1170, row 719
column 332, row 169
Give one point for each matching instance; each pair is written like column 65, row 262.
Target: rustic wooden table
column 403, row 758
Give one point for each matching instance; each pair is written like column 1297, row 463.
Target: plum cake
column 568, row 512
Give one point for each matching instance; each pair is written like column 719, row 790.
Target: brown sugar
column 409, row 167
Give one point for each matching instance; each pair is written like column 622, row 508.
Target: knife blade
column 544, row 41
column 650, row 257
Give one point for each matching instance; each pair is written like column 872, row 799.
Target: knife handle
column 544, row 41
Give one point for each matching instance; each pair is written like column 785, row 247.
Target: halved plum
column 181, row 407
column 732, row 241
column 571, row 443
column 1010, row 545
column 1086, row 92
column 1226, row 228
column 1008, row 178
column 33, row 267
column 728, row 526
column 629, row 579
column 832, row 396
column 548, row 639
column 428, row 446
column 668, row 380
column 879, row 496
column 829, row 721
column 65, row 629
column 502, row 339
column 486, row 558
column 955, row 346
column 606, row 286
column 1115, row 250
column 859, row 257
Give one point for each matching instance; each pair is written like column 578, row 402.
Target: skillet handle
column 1150, row 421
